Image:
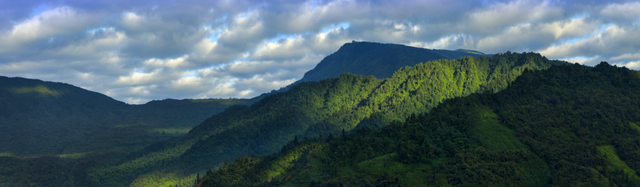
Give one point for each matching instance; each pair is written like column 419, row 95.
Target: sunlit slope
column 47, row 118
column 566, row 126
column 320, row 108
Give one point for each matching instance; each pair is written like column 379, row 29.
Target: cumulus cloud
column 58, row 21
column 614, row 44
column 622, row 14
column 136, row 51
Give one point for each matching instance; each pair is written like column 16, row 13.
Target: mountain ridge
column 319, row 108
column 357, row 58
column 322, row 108
column 567, row 125
column 377, row 59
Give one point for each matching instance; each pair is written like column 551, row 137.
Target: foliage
column 46, row 118
column 312, row 109
column 566, row 126
column 61, row 132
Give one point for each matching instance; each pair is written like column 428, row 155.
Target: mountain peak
column 377, row 59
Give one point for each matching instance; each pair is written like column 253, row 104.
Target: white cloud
column 132, row 21
column 504, row 15
column 141, row 51
column 142, row 78
column 632, row 64
column 58, row 21
column 287, row 48
column 97, row 44
column 626, row 56
column 613, row 41
column 174, row 63
column 264, row 83
column 449, row 42
column 189, row 84
column 622, row 13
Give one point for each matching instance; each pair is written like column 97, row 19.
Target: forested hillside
column 47, row 118
column 311, row 109
column 51, row 133
column 566, row 126
column 39, row 118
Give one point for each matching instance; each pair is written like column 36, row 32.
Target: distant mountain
column 569, row 125
column 47, row 118
column 313, row 108
column 377, row 59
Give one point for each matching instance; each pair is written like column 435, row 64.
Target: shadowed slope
column 47, row 118
column 377, row 59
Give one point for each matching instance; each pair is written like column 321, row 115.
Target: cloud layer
column 141, row 51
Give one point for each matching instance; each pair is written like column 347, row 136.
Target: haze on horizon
column 137, row 51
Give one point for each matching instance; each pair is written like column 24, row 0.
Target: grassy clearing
column 496, row 137
column 614, row 162
column 170, row 131
column 493, row 135
column 635, row 126
column 41, row 90
column 411, row 175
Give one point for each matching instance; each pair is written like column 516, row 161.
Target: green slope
column 565, row 126
column 318, row 108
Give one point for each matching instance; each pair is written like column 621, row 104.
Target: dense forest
column 569, row 125
column 108, row 151
column 70, row 135
column 312, row 109
column 47, row 118
column 50, row 133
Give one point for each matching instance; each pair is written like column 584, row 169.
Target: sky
column 138, row 51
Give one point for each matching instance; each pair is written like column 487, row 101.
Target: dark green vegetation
column 379, row 60
column 56, row 131
column 310, row 109
column 74, row 136
column 61, row 170
column 569, row 125
column 46, row 118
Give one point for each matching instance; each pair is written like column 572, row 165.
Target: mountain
column 377, row 59
column 311, row 109
column 41, row 117
column 80, row 129
column 569, row 125
column 47, row 118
